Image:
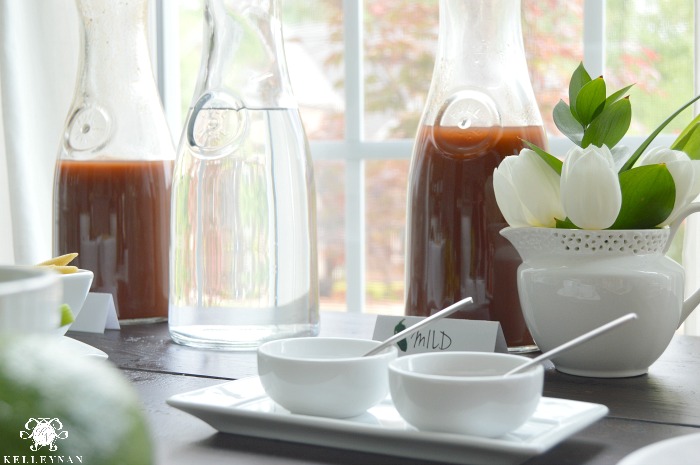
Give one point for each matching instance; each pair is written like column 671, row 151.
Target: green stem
column 630, row 162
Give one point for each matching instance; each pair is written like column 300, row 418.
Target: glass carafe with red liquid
column 114, row 170
column 480, row 109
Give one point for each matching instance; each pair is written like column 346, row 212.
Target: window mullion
column 380, row 150
column 594, row 36
column 354, row 169
column 167, row 62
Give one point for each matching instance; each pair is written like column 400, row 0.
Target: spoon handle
column 401, row 335
column 574, row 342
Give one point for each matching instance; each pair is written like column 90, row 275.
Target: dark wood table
column 662, row 404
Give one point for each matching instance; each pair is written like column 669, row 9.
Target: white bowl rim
column 397, row 367
column 80, row 274
column 264, row 349
column 77, row 273
column 35, row 278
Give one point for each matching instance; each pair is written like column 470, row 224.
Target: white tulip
column 590, row 187
column 507, row 196
column 527, row 191
column 685, row 173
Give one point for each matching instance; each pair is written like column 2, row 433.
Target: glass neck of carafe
column 114, row 61
column 480, row 51
column 116, row 110
column 243, row 57
column 479, row 40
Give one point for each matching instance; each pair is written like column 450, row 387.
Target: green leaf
column 590, row 100
column 614, row 97
column 565, row 224
column 566, row 123
column 648, row 195
column 579, row 79
column 403, row 344
column 610, row 126
column 687, row 129
column 640, row 150
column 684, row 137
column 550, row 159
column 689, row 142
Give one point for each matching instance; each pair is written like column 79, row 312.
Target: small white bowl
column 30, row 298
column 463, row 392
column 323, row 376
column 75, row 289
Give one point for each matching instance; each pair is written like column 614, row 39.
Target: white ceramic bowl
column 324, row 376
column 29, row 300
column 463, row 392
column 75, row 289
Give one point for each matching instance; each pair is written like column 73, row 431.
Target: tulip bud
column 590, row 187
column 685, row 173
column 507, row 196
column 527, row 191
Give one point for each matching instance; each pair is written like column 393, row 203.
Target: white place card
column 98, row 313
column 447, row 334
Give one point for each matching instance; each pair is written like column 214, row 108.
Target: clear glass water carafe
column 114, row 169
column 480, row 108
column 243, row 254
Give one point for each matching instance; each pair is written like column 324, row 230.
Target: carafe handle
column 693, row 300
column 217, row 126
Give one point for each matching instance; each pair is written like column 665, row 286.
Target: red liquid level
column 116, row 215
column 454, row 246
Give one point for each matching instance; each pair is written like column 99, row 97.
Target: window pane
column 400, row 45
column 313, row 42
column 330, row 208
column 386, row 182
column 553, row 37
column 650, row 44
column 400, row 40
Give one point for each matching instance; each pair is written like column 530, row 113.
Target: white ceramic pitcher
column 572, row 281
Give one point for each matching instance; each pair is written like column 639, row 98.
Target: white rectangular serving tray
column 242, row 407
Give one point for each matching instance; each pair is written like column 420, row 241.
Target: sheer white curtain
column 38, row 60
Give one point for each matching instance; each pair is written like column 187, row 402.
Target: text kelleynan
column 49, row 459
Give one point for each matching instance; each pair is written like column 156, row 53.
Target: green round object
column 57, row 403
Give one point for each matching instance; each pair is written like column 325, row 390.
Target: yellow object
column 62, row 269
column 60, row 263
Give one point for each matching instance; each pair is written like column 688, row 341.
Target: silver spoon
column 401, row 335
column 574, row 342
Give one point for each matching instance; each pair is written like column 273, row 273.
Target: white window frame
column 354, row 150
